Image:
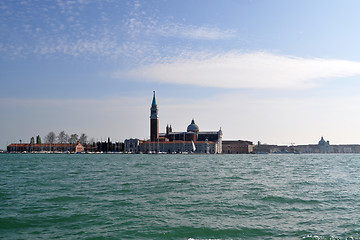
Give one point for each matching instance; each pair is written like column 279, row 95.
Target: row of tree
column 62, row 137
column 91, row 146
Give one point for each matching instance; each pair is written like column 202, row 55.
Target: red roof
column 41, row 145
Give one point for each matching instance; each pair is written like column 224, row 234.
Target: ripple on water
column 216, row 233
column 288, row 200
column 180, row 197
column 61, row 199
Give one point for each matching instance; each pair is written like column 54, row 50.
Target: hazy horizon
column 278, row 72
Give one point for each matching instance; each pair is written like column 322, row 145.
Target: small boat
column 193, row 146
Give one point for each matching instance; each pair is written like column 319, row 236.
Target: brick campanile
column 154, row 121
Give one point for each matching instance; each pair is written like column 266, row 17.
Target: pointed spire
column 154, row 100
column 154, row 109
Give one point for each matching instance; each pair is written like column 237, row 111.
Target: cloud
column 65, row 28
column 104, row 47
column 140, row 23
column 245, row 70
column 193, row 32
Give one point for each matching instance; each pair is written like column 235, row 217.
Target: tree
column 50, row 138
column 38, row 139
column 63, row 137
column 32, row 140
column 92, row 140
column 83, row 139
column 74, row 138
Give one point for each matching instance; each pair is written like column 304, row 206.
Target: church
column 190, row 141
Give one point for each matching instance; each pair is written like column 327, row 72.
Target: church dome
column 322, row 141
column 193, row 127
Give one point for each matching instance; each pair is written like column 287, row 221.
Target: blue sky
column 272, row 71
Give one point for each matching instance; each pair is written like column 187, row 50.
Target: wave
column 216, row 233
column 288, row 200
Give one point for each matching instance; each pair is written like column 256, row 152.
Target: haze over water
column 179, row 196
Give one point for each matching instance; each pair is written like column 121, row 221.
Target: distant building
column 154, row 121
column 46, row 147
column 266, row 148
column 324, row 146
column 236, row 146
column 132, row 145
column 353, row 148
column 180, row 147
column 191, row 140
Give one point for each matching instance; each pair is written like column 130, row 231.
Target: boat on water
column 193, row 146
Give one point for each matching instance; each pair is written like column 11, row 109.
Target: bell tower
column 154, row 121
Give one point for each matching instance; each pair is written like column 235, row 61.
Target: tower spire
column 154, row 120
column 154, row 100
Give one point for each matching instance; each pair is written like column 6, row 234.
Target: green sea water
column 115, row 196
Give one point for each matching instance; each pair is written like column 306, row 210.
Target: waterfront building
column 350, row 148
column 324, row 146
column 191, row 140
column 46, row 147
column 132, row 145
column 179, row 146
column 267, row 148
column 237, row 146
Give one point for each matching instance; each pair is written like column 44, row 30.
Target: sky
column 279, row 72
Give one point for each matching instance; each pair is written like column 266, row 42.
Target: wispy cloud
column 143, row 23
column 193, row 32
column 102, row 47
column 65, row 28
column 246, row 70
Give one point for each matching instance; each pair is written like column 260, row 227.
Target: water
column 179, row 196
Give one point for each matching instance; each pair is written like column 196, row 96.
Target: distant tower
column 168, row 129
column 154, row 121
